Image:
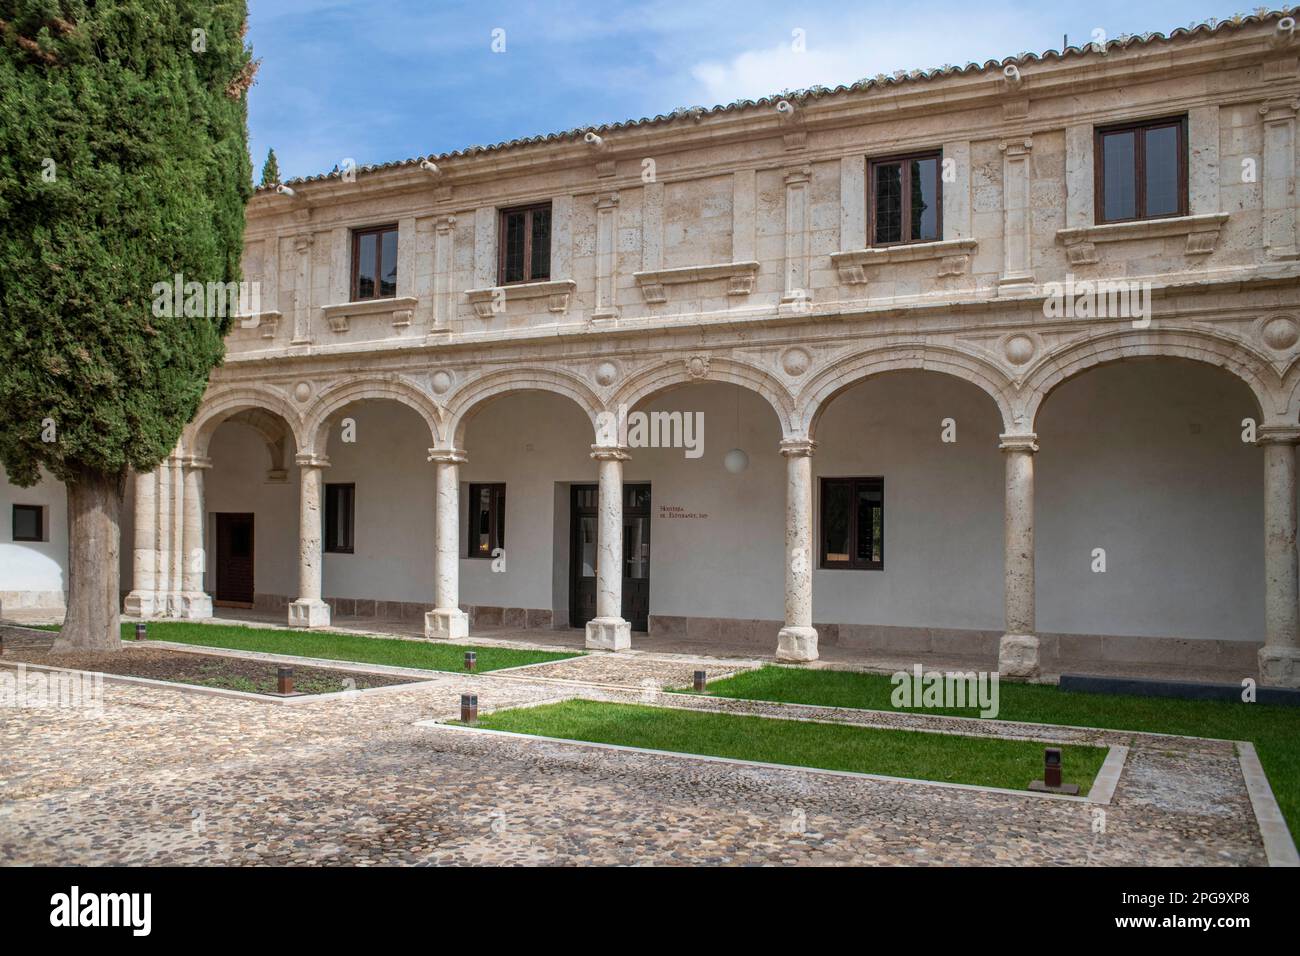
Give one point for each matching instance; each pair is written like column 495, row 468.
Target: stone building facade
column 1062, row 417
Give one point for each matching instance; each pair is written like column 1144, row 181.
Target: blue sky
column 382, row 80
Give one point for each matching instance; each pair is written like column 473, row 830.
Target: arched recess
column 1196, row 345
column 336, row 398
column 843, row 374
column 662, row 378
column 254, row 405
column 470, row 398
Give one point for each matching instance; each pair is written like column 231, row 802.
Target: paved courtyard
column 165, row 777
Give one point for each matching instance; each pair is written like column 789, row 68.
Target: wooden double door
column 584, row 524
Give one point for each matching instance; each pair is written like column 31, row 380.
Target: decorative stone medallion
column 440, row 381
column 302, row 391
column 697, row 366
column 795, row 361
column 1019, row 349
column 606, row 373
column 1281, row 333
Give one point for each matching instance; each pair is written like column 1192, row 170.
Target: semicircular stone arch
column 854, row 369
column 1075, row 358
column 470, row 398
column 337, row 397
column 669, row 375
column 226, row 402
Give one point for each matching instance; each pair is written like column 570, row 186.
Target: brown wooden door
column 584, row 527
column 235, row 559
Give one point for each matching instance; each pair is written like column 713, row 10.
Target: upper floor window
column 487, row 519
column 904, row 199
column 29, row 523
column 340, row 517
column 853, row 523
column 525, row 244
column 374, row 263
column 1142, row 170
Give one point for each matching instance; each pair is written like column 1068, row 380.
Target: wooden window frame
column 376, row 233
column 40, row 523
column 332, row 547
column 496, row 518
column 1139, row 161
column 528, row 210
column 853, row 564
column 904, row 159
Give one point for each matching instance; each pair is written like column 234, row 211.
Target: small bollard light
column 468, row 708
column 471, row 661
column 141, row 630
column 1051, row 782
column 284, row 681
column 701, row 679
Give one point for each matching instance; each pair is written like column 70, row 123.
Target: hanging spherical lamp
column 735, row 461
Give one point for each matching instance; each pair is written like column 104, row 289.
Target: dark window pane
column 366, row 267
column 870, row 521
column 487, row 519
column 836, row 498
column 27, row 523
column 499, row 507
column 1162, row 167
column 925, row 199
column 388, row 263
column 1119, row 154
column 889, row 203
column 540, row 267
column 339, row 517
column 514, row 240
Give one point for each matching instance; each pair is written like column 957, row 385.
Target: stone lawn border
column 1278, row 845
column 201, row 690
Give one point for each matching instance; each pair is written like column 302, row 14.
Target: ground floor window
column 29, row 523
column 340, row 502
column 487, row 519
column 853, row 523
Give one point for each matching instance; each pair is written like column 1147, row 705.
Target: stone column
column 1279, row 658
column 798, row 639
column 163, row 563
column 1018, row 650
column 309, row 610
column 142, row 601
column 446, row 621
column 176, row 587
column 608, row 631
column 195, row 602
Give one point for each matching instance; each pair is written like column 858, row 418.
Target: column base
column 303, row 613
column 143, row 604
column 1018, row 656
column 609, row 634
column 196, row 606
column 446, row 624
column 1279, row 666
column 796, row 644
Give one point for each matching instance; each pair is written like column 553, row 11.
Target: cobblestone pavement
column 160, row 776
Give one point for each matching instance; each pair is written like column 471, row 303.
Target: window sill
column 739, row 276
column 401, row 308
column 557, row 291
column 268, row 322
column 1202, row 232
column 954, row 256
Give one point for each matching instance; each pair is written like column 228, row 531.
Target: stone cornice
column 401, row 308
column 1202, row 232
column 954, row 253
column 740, row 276
column 557, row 290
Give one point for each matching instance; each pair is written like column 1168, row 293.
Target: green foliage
column 270, row 169
column 123, row 161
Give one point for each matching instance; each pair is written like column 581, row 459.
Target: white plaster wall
column 33, row 567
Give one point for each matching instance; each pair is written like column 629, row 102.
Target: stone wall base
column 31, row 601
column 480, row 615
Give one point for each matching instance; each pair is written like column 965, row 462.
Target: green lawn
column 984, row 761
column 1275, row 731
column 357, row 648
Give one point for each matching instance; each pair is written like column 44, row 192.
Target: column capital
column 448, row 456
column 610, row 453
column 311, row 460
column 1027, row 441
column 798, row 447
column 1277, row 435
column 196, row 462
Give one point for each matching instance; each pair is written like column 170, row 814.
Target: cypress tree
column 123, row 163
column 270, row 169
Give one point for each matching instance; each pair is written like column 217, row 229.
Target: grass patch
column 984, row 761
column 1274, row 730
column 356, row 648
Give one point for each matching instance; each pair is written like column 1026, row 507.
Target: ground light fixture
column 701, row 678
column 1051, row 782
column 141, row 630
column 468, row 708
column 471, row 661
column 284, row 681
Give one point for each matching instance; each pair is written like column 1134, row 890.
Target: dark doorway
column 584, row 530
column 234, row 560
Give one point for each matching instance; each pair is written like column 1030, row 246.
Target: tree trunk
column 94, row 542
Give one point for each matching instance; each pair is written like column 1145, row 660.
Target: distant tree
column 123, row 162
column 270, row 169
